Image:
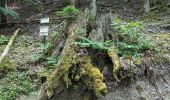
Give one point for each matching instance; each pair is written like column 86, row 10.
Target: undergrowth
column 130, row 40
column 14, row 84
column 41, row 57
column 69, row 11
column 3, row 40
column 9, row 12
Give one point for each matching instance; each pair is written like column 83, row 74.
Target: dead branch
column 7, row 49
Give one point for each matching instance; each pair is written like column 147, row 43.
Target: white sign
column 45, row 20
column 44, row 30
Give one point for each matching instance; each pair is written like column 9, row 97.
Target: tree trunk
column 3, row 18
column 93, row 9
column 146, row 6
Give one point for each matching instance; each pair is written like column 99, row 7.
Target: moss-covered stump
column 76, row 77
column 74, row 66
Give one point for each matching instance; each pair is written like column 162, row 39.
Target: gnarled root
column 116, row 62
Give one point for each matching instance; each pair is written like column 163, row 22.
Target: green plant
column 7, row 65
column 130, row 40
column 45, row 48
column 13, row 84
column 40, row 55
column 80, row 31
column 69, row 11
column 9, row 13
column 37, row 57
column 51, row 61
column 86, row 43
column 3, row 40
column 54, row 34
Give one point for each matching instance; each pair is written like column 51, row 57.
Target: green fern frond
column 9, row 12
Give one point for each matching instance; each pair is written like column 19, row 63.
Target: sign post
column 44, row 28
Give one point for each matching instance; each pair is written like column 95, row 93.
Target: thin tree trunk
column 93, row 9
column 147, row 6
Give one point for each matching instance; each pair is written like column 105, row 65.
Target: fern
column 86, row 43
column 9, row 12
column 3, row 40
column 69, row 11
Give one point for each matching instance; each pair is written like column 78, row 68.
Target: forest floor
column 24, row 76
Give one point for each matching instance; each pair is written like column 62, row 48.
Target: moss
column 100, row 87
column 116, row 62
column 7, row 65
column 92, row 77
column 161, row 42
column 74, row 67
column 61, row 73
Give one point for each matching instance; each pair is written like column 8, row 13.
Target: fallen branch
column 3, row 55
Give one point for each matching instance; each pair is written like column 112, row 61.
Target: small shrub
column 9, row 12
column 51, row 61
column 80, row 31
column 37, row 57
column 54, row 34
column 87, row 43
column 3, row 40
column 69, row 11
column 40, row 55
column 130, row 40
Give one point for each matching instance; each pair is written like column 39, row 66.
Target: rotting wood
column 7, row 49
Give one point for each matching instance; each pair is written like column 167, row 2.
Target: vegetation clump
column 130, row 40
column 3, row 40
column 9, row 13
column 70, row 12
column 14, row 84
column 41, row 56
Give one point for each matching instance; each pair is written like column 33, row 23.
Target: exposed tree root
column 116, row 62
